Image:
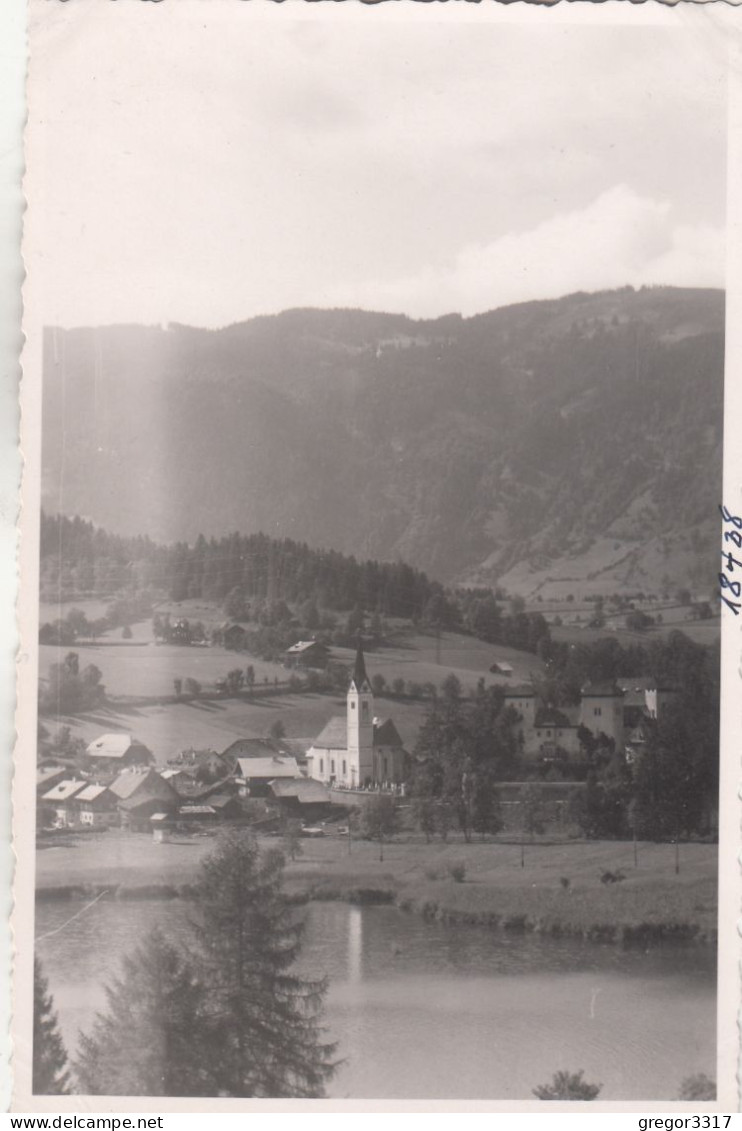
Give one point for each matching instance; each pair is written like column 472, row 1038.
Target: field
column 215, row 724
column 496, row 889
column 138, row 675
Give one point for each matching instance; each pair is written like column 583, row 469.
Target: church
column 359, row 750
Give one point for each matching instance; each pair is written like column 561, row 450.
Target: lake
column 430, row 1010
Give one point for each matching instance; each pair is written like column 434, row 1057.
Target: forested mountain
column 579, row 437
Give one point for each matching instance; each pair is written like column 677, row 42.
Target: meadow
column 138, row 675
column 501, row 884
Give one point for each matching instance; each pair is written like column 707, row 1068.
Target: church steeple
column 359, row 680
column 358, row 768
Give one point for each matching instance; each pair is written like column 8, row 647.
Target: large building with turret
column 620, row 712
column 358, row 750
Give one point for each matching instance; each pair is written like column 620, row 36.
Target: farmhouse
column 96, row 806
column 254, row 775
column 141, row 793
column 114, row 752
column 247, row 748
column 307, row 654
column 358, row 750
column 58, row 803
column 234, row 637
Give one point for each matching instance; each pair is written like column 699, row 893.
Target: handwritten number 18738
column 730, row 562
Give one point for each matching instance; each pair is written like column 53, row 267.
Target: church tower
column 360, row 717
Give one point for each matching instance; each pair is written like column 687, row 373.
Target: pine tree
column 50, row 1075
column 147, row 1043
column 264, row 1036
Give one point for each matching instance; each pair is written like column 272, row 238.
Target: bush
column 698, row 1087
column 457, row 871
column 567, row 1086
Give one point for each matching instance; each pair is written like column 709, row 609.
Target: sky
column 205, row 163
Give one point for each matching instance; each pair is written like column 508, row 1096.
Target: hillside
column 575, row 439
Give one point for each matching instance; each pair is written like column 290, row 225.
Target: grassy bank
column 551, row 889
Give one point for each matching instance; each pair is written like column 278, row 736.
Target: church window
column 352, row 706
column 332, row 766
column 364, row 709
column 597, row 710
column 345, row 768
column 322, row 765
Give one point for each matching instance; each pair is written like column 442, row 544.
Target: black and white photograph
column 375, row 559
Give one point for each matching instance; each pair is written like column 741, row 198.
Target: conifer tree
column 147, row 1043
column 50, row 1075
column 263, row 1021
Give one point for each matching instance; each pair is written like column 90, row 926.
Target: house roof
column 304, row 646
column 131, row 804
column 334, row 734
column 64, row 790
column 268, row 768
column 605, row 690
column 196, row 810
column 114, row 746
column 92, row 793
column 304, row 790
column 49, row 773
column 385, row 733
column 502, row 667
column 249, row 748
column 221, row 800
column 128, row 782
column 522, row 691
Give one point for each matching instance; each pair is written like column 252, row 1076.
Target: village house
column 140, row 793
column 254, row 775
column 247, row 748
column 49, row 776
column 307, row 654
column 111, row 753
column 233, row 637
column 302, row 798
column 96, row 807
column 359, row 750
column 57, row 808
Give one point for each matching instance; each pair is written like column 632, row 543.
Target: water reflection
column 426, row 1010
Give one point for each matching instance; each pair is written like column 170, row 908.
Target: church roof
column 385, row 733
column 334, row 736
column 359, row 676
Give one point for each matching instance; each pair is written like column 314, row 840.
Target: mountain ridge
column 509, row 445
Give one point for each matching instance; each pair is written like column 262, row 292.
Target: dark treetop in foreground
column 232, row 1018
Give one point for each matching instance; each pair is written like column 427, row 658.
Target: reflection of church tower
column 360, row 717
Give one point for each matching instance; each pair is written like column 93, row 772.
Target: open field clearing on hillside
column 139, row 668
column 706, row 632
column 215, row 724
column 418, row 657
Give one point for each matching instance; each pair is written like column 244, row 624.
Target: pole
column 636, row 859
column 677, row 857
column 522, row 854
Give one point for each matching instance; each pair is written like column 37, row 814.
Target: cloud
column 620, row 238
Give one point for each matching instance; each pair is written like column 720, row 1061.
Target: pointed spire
column 359, row 670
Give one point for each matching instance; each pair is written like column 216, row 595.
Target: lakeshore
column 552, row 889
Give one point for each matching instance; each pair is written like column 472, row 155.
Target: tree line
column 271, row 582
